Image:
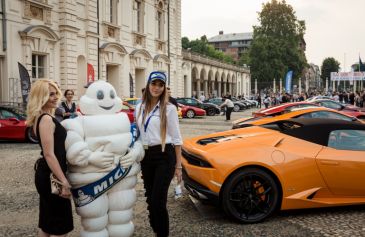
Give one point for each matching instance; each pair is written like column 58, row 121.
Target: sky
column 334, row 28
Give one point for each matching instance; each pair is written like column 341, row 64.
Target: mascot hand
column 101, row 159
column 128, row 159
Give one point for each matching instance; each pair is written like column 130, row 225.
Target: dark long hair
column 147, row 101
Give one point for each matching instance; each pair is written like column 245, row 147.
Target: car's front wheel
column 236, row 108
column 211, row 112
column 250, row 195
column 190, row 113
column 30, row 135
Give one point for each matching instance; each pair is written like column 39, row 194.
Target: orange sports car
column 307, row 112
column 288, row 164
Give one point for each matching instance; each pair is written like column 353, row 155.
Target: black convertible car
column 210, row 109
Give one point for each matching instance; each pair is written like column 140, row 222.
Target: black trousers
column 158, row 169
column 228, row 113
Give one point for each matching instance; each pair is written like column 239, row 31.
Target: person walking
column 158, row 126
column 228, row 104
column 55, row 211
column 69, row 106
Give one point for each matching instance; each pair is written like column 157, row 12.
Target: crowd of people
column 270, row 99
column 157, row 129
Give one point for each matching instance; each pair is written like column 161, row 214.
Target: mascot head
column 100, row 98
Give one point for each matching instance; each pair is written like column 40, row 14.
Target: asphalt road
column 188, row 217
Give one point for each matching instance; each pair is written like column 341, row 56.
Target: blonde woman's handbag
column 56, row 185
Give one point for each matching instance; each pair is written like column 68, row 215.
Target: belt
column 156, row 147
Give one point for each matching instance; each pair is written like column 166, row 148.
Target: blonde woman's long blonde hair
column 147, row 101
column 38, row 97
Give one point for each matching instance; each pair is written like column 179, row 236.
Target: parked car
column 288, row 164
column 210, row 109
column 307, row 112
column 218, row 101
column 318, row 97
column 191, row 111
column 346, row 109
column 13, row 125
column 283, row 108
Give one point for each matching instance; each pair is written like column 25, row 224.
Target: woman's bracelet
column 178, row 167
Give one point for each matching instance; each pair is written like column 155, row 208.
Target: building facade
column 232, row 44
column 202, row 75
column 122, row 40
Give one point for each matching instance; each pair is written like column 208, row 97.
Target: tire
column 210, row 111
column 250, row 195
column 30, row 136
column 190, row 113
column 236, row 108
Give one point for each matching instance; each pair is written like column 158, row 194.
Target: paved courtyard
column 19, row 202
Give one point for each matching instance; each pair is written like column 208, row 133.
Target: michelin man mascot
column 103, row 159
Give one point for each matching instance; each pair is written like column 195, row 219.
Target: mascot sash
column 88, row 193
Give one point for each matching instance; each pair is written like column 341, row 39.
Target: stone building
column 232, row 44
column 123, row 40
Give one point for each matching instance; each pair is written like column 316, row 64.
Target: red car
column 129, row 110
column 13, row 127
column 191, row 111
column 281, row 109
column 346, row 109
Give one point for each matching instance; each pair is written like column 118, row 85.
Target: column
column 274, row 86
column 333, row 86
column 300, row 85
column 281, row 85
column 306, row 84
column 205, row 87
column 255, row 86
column 224, row 88
column 197, row 87
column 326, row 84
column 219, row 89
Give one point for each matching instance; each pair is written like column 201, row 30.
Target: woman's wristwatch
column 178, row 167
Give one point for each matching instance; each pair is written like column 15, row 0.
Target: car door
column 342, row 162
column 10, row 129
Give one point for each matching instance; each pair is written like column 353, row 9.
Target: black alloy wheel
column 190, row 113
column 236, row 108
column 210, row 111
column 30, row 135
column 250, row 195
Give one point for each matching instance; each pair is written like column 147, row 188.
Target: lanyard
column 149, row 118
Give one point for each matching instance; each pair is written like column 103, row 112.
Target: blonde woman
column 158, row 124
column 55, row 212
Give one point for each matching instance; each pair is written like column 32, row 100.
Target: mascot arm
column 135, row 154
column 77, row 149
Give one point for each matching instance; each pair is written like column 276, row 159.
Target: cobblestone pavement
column 19, row 202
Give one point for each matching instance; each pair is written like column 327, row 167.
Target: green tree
column 329, row 65
column 185, row 43
column 275, row 46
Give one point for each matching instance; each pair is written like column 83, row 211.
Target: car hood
column 233, row 139
column 210, row 104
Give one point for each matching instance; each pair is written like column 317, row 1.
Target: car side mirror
column 15, row 120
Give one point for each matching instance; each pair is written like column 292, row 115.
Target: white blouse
column 152, row 135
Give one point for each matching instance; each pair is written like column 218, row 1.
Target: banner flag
column 288, row 81
column 90, row 74
column 24, row 82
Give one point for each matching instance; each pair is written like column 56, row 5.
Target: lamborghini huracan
column 288, row 164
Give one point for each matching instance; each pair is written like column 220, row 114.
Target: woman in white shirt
column 158, row 125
